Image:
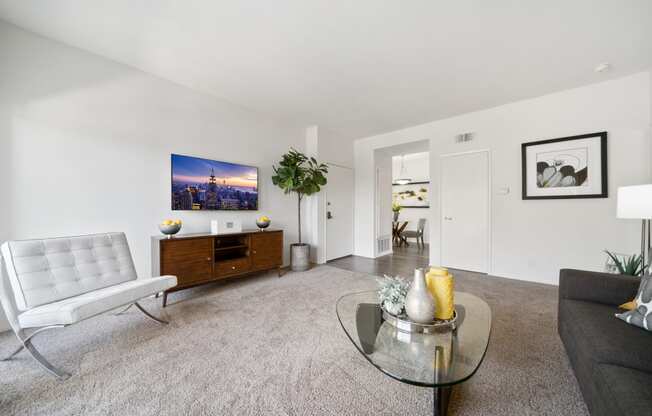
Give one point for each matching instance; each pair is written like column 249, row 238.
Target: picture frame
column 412, row 195
column 565, row 168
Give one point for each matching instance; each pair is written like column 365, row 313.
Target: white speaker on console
column 226, row 226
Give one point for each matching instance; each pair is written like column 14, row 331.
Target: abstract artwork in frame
column 565, row 168
column 412, row 195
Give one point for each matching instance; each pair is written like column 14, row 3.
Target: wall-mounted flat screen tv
column 203, row 184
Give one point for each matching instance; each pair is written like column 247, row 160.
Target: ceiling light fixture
column 603, row 67
column 403, row 179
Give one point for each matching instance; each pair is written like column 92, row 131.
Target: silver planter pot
column 300, row 257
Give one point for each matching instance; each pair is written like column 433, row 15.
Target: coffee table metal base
column 440, row 396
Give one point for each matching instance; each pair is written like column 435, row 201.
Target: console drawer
column 225, row 268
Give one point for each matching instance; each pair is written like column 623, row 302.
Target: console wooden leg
column 280, row 271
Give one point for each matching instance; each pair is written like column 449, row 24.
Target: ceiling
column 359, row 67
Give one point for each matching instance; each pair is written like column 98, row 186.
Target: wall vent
column 464, row 137
column 383, row 244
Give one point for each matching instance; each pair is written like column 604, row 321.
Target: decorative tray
column 403, row 323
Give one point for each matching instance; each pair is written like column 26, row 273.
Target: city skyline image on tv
column 203, row 184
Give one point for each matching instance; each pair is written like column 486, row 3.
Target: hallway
column 402, row 262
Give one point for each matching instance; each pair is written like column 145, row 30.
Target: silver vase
column 419, row 304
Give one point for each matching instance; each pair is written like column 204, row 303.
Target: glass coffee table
column 438, row 360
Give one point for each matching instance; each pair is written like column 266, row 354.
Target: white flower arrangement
column 391, row 294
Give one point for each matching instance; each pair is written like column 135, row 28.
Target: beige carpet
column 270, row 346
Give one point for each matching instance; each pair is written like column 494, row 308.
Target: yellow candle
column 438, row 271
column 441, row 287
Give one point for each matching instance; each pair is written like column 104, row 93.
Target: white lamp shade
column 635, row 202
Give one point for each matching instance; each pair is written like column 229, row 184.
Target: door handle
column 208, row 259
column 448, row 218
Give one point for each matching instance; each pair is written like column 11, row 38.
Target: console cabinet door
column 190, row 260
column 266, row 250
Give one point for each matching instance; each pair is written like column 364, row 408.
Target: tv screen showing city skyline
column 203, row 184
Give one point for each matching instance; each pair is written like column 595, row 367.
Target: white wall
column 86, row 146
column 532, row 240
column 417, row 168
column 335, row 148
column 416, row 165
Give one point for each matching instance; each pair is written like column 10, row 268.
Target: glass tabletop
column 441, row 359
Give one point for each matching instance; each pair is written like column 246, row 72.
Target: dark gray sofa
column 611, row 359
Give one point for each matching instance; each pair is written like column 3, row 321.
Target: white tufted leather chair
column 53, row 283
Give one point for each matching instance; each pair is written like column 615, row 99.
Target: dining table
column 397, row 233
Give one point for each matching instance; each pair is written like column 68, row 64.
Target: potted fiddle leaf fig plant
column 304, row 176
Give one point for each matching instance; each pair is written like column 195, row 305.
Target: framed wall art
column 564, row 168
column 412, row 195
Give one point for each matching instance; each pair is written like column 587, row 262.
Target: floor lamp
column 635, row 202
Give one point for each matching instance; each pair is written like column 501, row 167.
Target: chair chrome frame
column 13, row 304
column 26, row 342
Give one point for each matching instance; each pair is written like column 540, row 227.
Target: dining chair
column 418, row 234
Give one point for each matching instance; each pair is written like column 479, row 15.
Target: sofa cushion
column 641, row 315
column 602, row 338
column 78, row 308
column 625, row 391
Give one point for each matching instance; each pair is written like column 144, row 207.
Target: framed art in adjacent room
column 564, row 168
column 412, row 195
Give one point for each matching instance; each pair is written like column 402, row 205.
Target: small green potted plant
column 396, row 209
column 304, row 176
column 628, row 265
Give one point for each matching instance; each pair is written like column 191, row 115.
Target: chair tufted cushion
column 72, row 310
column 50, row 270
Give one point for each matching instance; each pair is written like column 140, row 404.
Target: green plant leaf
column 616, row 261
column 630, row 266
column 300, row 174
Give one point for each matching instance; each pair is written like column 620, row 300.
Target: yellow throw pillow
column 629, row 306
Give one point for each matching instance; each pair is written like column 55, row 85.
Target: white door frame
column 377, row 223
column 490, row 218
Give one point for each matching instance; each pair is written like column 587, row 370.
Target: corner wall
column 333, row 149
column 532, row 240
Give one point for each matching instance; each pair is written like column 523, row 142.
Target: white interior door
column 339, row 212
column 465, row 211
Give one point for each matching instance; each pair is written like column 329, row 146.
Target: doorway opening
column 403, row 201
column 402, row 182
